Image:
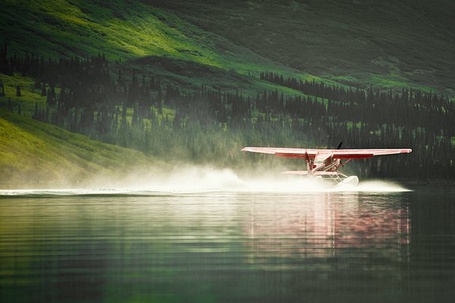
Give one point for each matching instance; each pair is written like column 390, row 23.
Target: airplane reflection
column 326, row 226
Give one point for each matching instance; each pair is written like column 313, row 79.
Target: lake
column 262, row 242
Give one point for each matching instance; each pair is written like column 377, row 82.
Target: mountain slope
column 135, row 36
column 360, row 42
column 385, row 43
column 120, row 30
column 32, row 152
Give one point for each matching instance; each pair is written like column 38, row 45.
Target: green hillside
column 120, row 30
column 361, row 43
column 34, row 153
column 385, row 43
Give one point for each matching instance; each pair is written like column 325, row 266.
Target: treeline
column 411, row 108
column 375, row 118
column 112, row 103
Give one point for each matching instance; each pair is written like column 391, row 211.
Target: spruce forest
column 135, row 108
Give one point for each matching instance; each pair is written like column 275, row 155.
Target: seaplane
column 324, row 164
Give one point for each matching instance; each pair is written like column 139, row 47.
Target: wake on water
column 206, row 181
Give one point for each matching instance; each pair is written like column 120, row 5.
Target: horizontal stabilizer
column 295, row 172
column 305, row 173
column 325, row 173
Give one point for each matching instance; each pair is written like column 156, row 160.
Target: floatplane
column 324, row 164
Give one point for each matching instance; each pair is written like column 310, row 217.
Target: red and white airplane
column 324, row 163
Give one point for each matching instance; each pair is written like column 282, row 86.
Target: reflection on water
column 229, row 247
column 328, row 226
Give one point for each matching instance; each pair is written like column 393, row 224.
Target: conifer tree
column 10, row 105
column 2, row 89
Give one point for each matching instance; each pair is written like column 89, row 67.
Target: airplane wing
column 335, row 153
column 280, row 151
column 367, row 153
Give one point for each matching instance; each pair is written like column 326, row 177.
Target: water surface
column 373, row 244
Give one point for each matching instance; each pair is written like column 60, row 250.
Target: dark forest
column 112, row 103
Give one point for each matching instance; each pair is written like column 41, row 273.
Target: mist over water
column 197, row 180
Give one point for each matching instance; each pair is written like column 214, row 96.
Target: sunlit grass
column 29, row 95
column 33, row 151
column 133, row 30
column 122, row 31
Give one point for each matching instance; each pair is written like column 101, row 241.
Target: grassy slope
column 32, row 152
column 121, row 30
column 29, row 95
column 35, row 152
column 385, row 43
column 139, row 36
